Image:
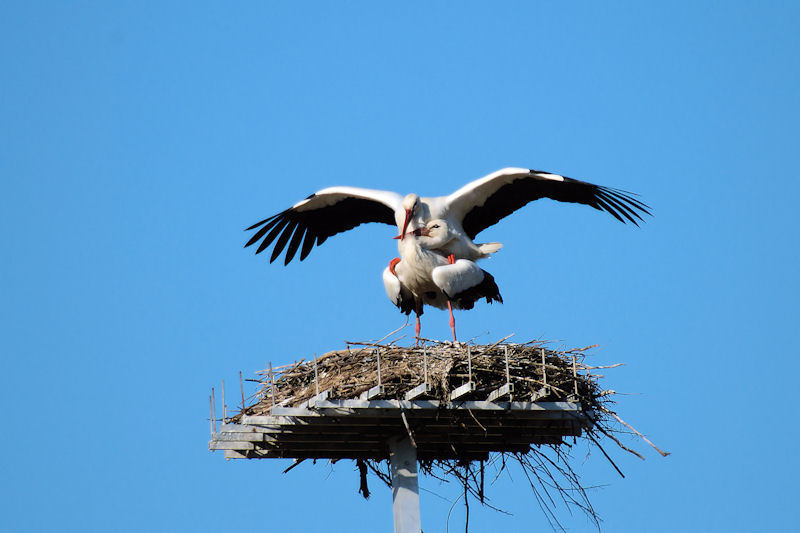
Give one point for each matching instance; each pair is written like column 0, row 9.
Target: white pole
column 405, row 486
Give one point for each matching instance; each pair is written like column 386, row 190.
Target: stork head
column 410, row 205
column 435, row 234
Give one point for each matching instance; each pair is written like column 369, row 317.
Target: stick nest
column 535, row 371
column 557, row 375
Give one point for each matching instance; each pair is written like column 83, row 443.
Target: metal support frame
column 405, row 485
column 545, row 389
column 319, row 398
column 467, row 387
column 375, row 392
column 505, row 391
column 378, row 390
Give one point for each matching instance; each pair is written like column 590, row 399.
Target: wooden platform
column 362, row 429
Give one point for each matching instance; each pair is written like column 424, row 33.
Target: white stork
column 423, row 276
column 468, row 211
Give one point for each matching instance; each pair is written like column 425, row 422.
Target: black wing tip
column 631, row 197
column 257, row 224
column 625, row 203
column 301, row 230
column 627, row 196
column 621, row 205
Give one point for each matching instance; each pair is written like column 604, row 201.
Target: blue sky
column 138, row 140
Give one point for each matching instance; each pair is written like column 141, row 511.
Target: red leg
column 417, row 329
column 392, row 264
column 452, row 320
column 452, row 259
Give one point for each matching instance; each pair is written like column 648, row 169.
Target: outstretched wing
column 324, row 213
column 485, row 201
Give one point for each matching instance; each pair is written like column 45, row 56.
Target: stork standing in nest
column 425, row 274
column 436, row 267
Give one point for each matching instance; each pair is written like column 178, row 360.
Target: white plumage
column 458, row 277
column 423, row 275
column 468, row 211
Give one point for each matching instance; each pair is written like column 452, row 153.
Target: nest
column 531, row 368
column 535, row 371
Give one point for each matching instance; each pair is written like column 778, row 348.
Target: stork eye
column 435, row 226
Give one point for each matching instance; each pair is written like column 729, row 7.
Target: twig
column 476, row 420
column 621, row 421
column 604, row 453
column 294, row 464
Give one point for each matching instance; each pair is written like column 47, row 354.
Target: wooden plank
column 288, row 439
column 427, row 443
column 341, row 446
column 375, row 392
column 352, row 407
column 503, row 392
column 322, row 397
column 259, row 420
column 462, row 391
column 327, row 417
column 420, row 390
column 446, row 419
column 239, row 428
column 230, row 445
column 374, row 454
column 352, row 429
column 238, row 437
column 541, row 393
column 322, row 426
column 234, row 454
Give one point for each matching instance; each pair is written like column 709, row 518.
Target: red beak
column 405, row 224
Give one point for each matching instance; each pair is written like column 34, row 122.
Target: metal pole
column 469, row 363
column 316, row 376
column 508, row 375
column 241, row 388
column 214, row 408
column 224, row 407
column 575, row 376
column 272, row 384
column 544, row 370
column 378, row 355
column 405, row 485
column 425, row 363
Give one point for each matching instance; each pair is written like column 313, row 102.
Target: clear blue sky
column 138, row 140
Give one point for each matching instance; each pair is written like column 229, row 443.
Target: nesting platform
column 440, row 407
column 362, row 429
column 453, row 402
